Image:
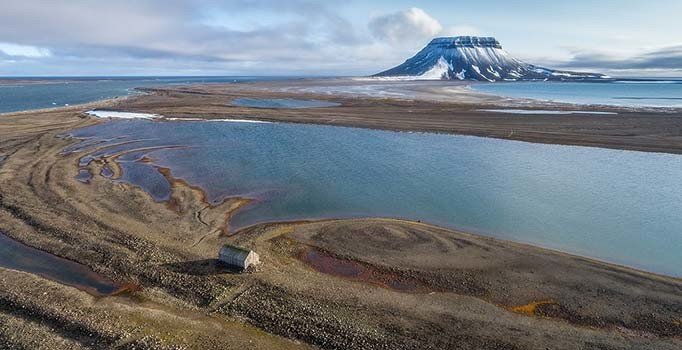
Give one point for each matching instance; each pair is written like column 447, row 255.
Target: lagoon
column 619, row 206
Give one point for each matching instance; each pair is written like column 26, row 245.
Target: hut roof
column 237, row 252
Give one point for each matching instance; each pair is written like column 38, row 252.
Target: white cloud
column 461, row 30
column 82, row 37
column 405, row 27
column 10, row 49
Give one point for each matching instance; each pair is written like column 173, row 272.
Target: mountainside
column 475, row 58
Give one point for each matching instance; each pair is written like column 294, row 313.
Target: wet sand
column 368, row 284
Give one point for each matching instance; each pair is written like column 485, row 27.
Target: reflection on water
column 618, row 206
column 16, row 256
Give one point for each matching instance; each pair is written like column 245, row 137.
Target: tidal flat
column 403, row 284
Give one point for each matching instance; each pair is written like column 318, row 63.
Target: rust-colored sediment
column 531, row 308
column 330, row 264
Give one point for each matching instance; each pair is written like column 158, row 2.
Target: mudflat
column 333, row 284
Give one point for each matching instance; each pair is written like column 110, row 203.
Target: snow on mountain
column 475, row 58
column 439, row 71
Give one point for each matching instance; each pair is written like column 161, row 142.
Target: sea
column 18, row 94
column 625, row 92
column 21, row 93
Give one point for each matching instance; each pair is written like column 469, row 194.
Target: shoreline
column 245, row 202
column 118, row 231
column 640, row 130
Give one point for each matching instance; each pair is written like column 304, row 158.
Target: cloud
column 461, row 30
column 16, row 50
column 211, row 36
column 665, row 58
column 405, row 27
column 271, row 37
column 177, row 33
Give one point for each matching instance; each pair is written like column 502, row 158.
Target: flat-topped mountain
column 475, row 58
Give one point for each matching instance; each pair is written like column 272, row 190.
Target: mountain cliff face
column 475, row 58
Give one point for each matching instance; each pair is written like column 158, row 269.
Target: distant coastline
column 35, row 93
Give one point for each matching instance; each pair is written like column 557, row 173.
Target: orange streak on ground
column 529, row 309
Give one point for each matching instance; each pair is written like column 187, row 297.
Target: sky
column 307, row 37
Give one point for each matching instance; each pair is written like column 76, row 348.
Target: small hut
column 238, row 257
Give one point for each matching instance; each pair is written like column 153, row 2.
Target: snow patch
column 183, row 119
column 238, row 121
column 122, row 115
column 133, row 115
column 439, row 71
column 483, row 59
column 542, row 111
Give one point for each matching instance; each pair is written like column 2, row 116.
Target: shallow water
column 282, row 103
column 621, row 206
column 666, row 93
column 16, row 256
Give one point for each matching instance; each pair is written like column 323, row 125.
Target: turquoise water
column 619, row 206
column 57, row 92
column 282, row 103
column 635, row 93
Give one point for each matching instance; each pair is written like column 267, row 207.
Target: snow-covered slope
column 475, row 58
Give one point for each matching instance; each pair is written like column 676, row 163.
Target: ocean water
column 619, row 206
column 58, row 92
column 633, row 93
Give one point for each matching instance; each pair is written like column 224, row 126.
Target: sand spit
column 424, row 106
column 106, row 114
column 420, row 286
column 121, row 115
